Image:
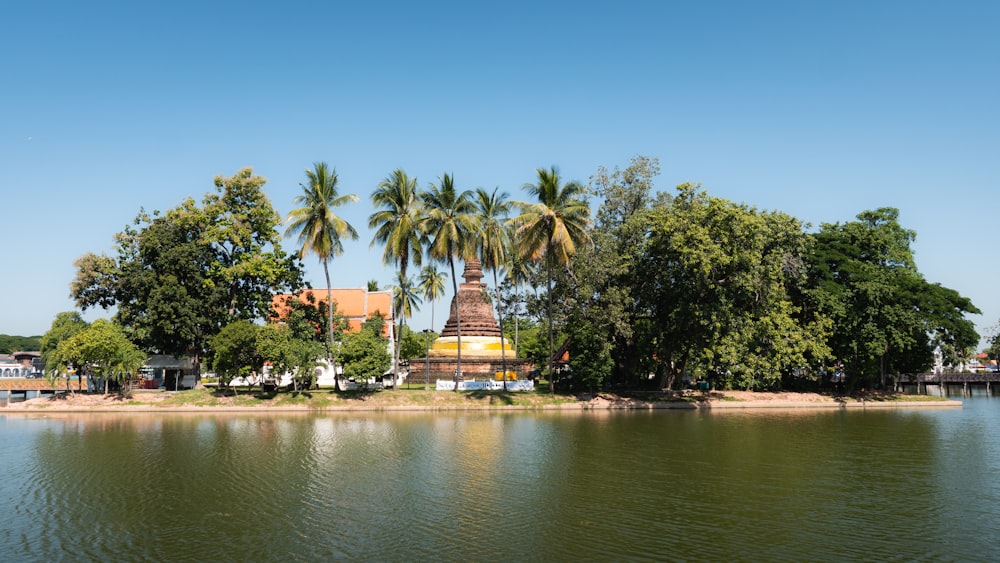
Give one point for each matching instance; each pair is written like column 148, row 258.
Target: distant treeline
column 10, row 344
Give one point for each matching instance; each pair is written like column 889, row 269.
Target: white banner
column 520, row 385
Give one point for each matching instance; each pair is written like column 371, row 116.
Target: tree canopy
column 886, row 317
column 177, row 278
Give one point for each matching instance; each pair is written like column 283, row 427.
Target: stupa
column 483, row 345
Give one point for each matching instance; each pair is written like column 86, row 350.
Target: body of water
column 668, row 485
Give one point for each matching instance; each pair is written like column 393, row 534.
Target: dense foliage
column 10, row 344
column 365, row 354
column 688, row 286
column 101, row 352
column 887, row 318
column 64, row 326
column 176, row 279
column 653, row 290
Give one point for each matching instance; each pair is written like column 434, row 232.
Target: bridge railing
column 972, row 377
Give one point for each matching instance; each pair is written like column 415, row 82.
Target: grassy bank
column 418, row 399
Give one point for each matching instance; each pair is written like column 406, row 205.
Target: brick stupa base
column 472, row 368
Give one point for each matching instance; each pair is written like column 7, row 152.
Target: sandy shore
column 405, row 400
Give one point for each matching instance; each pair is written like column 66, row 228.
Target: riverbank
column 205, row 400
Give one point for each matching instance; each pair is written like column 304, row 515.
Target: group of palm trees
column 444, row 224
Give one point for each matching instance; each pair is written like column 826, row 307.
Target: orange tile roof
column 356, row 305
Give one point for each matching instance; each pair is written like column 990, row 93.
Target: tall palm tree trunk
column 552, row 375
column 427, row 368
column 458, row 320
column 503, row 351
column 399, row 341
column 329, row 326
column 517, row 316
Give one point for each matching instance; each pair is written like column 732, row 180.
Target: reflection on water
column 791, row 485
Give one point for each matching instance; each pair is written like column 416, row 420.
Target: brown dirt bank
column 202, row 400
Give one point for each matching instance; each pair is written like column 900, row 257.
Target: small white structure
column 14, row 370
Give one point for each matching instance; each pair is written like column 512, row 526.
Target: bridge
column 31, row 388
column 984, row 379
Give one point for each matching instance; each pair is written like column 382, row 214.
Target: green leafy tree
column 103, row 353
column 551, row 229
column 887, row 317
column 993, row 350
column 590, row 355
column 602, row 297
column 286, row 352
column 236, row 353
column 365, row 353
column 64, row 326
column 413, row 345
column 244, row 235
column 177, row 278
column 318, row 230
column 451, row 225
column 534, row 343
column 715, row 277
column 10, row 343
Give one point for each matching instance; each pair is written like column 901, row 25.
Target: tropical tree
column 396, row 222
column 551, row 229
column 287, row 352
column 178, row 277
column 64, row 326
column 887, row 317
column 518, row 273
column 603, row 295
column 236, row 352
column 104, row 352
column 451, row 226
column 404, row 302
column 11, row 343
column 431, row 285
column 318, row 230
column 716, row 278
column 365, row 354
column 493, row 245
column 414, row 344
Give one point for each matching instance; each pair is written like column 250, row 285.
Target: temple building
column 483, row 345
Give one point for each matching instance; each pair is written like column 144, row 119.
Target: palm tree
column 396, row 224
column 519, row 271
column 319, row 230
column 552, row 229
column 404, row 302
column 431, row 284
column 451, row 226
column 493, row 244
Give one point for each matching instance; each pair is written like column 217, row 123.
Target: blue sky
column 818, row 109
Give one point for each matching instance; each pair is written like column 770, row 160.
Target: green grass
column 327, row 398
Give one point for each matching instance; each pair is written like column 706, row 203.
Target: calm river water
column 666, row 485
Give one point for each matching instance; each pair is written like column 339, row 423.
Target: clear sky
column 818, row 109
